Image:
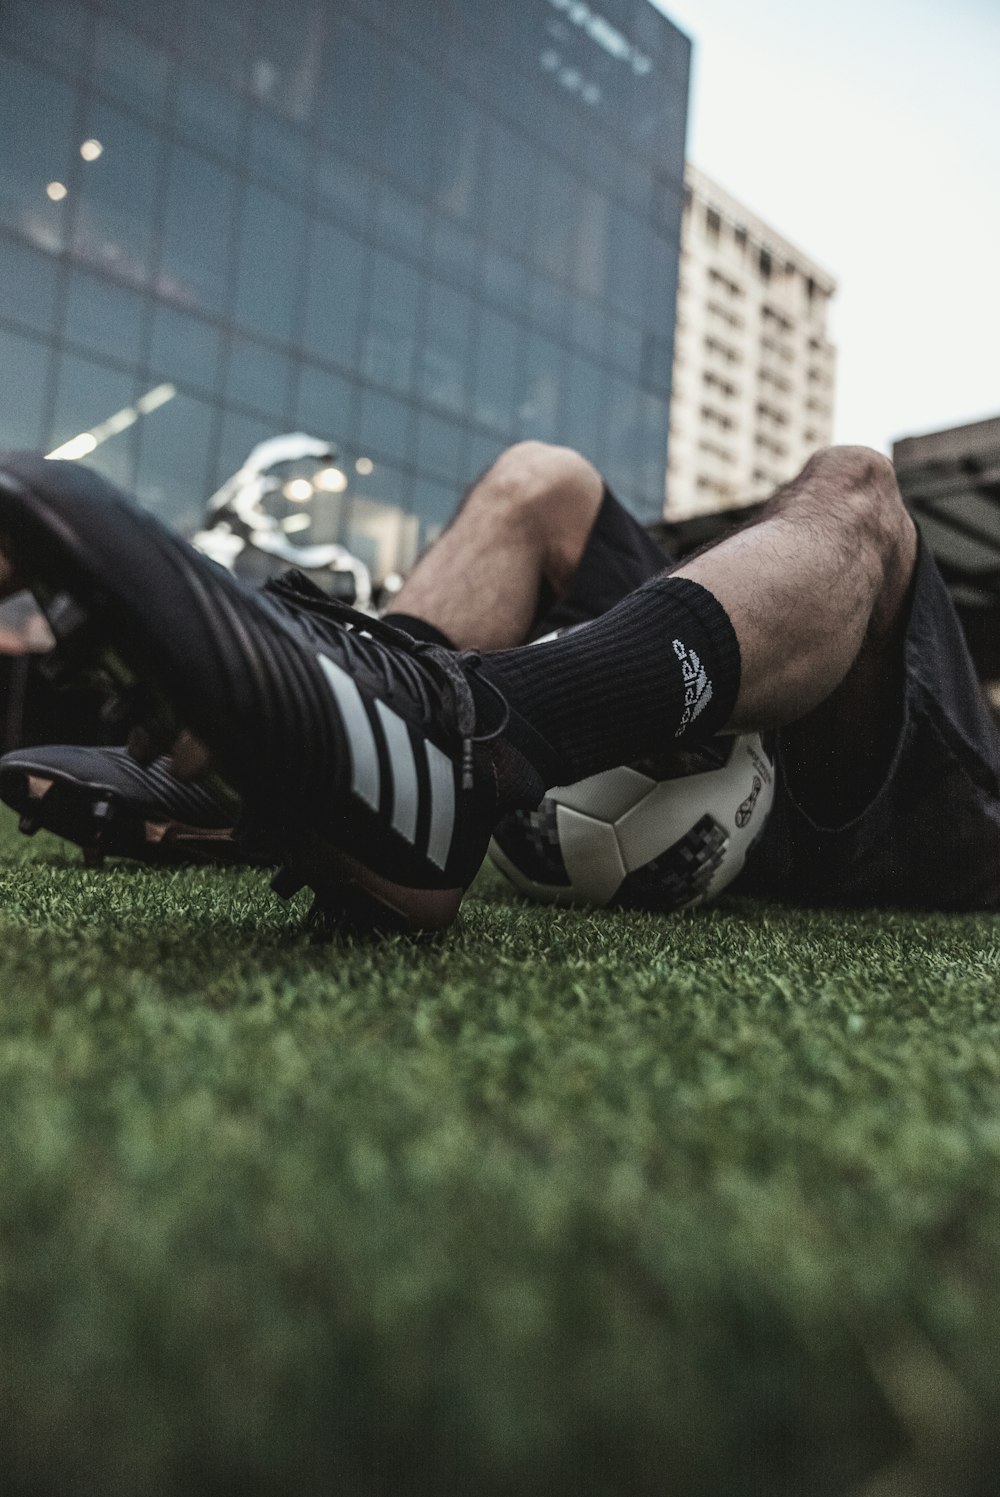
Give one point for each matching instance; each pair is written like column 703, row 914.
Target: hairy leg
column 525, row 523
column 817, row 589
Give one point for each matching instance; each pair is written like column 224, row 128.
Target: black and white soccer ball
column 659, row 835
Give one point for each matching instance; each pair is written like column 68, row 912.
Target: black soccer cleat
column 109, row 805
column 360, row 755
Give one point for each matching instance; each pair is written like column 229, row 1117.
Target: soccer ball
column 659, row 835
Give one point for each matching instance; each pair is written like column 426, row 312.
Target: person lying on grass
column 371, row 760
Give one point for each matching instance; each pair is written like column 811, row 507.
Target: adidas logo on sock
column 697, row 686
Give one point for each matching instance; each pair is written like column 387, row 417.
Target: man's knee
column 855, row 489
column 532, row 474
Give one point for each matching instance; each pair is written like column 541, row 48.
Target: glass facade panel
column 197, row 238
column 104, row 318
column 185, row 348
column 335, row 286
column 118, row 193
column 217, row 38
column 53, row 30
column 439, row 447
column 240, row 433
column 513, row 169
column 350, row 105
column 539, row 410
column 324, row 404
column 271, row 258
column 383, row 427
column 208, row 116
column 258, row 377
column 24, row 364
column 389, row 342
column 460, row 184
column 342, row 189
column 36, row 126
column 129, row 71
column 285, row 48
column 444, row 355
column 421, row 232
column 279, row 154
column 175, row 445
column 400, row 223
column 498, row 364
column 27, row 286
column 87, row 395
column 585, row 409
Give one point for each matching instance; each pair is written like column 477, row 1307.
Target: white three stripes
column 366, row 775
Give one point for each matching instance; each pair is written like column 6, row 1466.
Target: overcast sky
column 868, row 133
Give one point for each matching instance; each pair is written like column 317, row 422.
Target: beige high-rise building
column 754, row 368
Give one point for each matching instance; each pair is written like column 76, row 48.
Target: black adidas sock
column 660, row 667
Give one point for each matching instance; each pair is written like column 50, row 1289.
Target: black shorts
column 929, row 838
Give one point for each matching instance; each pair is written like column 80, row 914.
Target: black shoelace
column 421, row 668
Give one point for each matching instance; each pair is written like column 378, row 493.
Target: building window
column 765, row 265
column 713, row 224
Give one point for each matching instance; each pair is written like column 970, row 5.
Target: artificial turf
column 565, row 1203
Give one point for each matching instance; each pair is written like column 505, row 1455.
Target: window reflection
column 324, row 404
column 27, row 286
column 538, row 410
column 24, row 365
column 185, row 349
column 38, row 148
column 390, row 340
column 271, row 254
column 104, row 318
column 258, row 377
column 285, row 51
column 87, row 393
column 174, row 451
column 197, row 235
column 54, row 30
column 439, row 447
column 383, row 426
column 117, row 195
column 350, row 106
column 279, row 153
column 336, row 277
column 499, row 355
column 128, row 70
column 444, row 356
column 210, row 117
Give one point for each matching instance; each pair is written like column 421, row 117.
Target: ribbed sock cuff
column 661, row 666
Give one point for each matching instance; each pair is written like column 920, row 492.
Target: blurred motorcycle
column 242, row 533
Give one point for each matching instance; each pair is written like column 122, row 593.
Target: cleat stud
column 93, row 857
column 29, row 823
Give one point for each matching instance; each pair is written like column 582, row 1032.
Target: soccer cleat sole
column 103, row 824
column 352, row 900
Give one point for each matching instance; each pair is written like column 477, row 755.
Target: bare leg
column 817, row 590
column 524, row 523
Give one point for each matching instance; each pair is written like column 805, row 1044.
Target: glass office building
column 422, row 230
